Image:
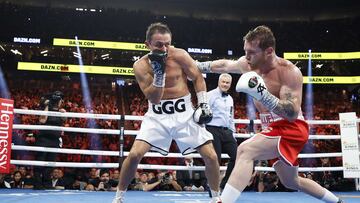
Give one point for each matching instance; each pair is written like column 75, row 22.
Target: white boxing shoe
column 118, row 200
column 119, row 197
column 215, row 200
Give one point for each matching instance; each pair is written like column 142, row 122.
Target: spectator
column 105, row 183
column 28, row 181
column 165, row 181
column 114, row 177
column 4, row 182
column 93, row 177
column 141, row 185
column 56, row 181
column 191, row 180
column 48, row 138
column 17, row 180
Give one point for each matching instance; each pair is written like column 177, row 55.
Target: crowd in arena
column 27, row 93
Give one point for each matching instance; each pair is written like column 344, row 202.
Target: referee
column 222, row 125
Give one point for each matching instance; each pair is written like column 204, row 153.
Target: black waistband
column 220, row 127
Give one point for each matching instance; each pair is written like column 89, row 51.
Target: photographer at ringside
column 165, row 181
column 48, row 138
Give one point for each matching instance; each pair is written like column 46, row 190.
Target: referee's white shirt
column 222, row 108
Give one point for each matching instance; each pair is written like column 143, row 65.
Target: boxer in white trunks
column 162, row 76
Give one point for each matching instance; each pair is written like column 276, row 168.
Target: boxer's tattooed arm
column 286, row 107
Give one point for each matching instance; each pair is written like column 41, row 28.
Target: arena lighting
column 44, row 52
column 16, row 52
column 319, row 66
column 94, row 139
column 4, row 91
column 105, row 56
column 76, row 55
column 85, row 9
column 135, row 58
column 309, row 101
column 2, row 48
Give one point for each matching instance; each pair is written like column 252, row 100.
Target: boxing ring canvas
column 72, row 196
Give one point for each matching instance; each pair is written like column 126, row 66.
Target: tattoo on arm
column 286, row 107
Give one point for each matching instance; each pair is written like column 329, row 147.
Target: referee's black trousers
column 224, row 142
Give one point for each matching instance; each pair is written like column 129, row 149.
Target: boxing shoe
column 119, row 197
column 340, row 201
column 118, row 200
column 215, row 200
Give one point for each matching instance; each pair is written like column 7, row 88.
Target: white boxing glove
column 252, row 84
column 202, row 113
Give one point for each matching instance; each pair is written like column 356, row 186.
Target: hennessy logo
column 6, row 120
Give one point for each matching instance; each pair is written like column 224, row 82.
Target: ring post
column 121, row 123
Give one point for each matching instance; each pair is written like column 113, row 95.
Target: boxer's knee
column 246, row 151
column 134, row 156
column 293, row 184
column 210, row 157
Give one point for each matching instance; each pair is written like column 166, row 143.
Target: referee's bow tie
column 224, row 94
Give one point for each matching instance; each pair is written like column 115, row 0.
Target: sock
column 229, row 194
column 329, row 197
column 214, row 193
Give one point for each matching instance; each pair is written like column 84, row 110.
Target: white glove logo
column 253, row 82
column 261, row 88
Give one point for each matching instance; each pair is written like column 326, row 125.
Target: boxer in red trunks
column 276, row 87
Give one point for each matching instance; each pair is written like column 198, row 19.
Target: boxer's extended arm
column 203, row 112
column 224, row 66
column 288, row 105
column 290, row 94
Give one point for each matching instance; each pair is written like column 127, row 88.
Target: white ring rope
column 73, row 129
column 76, row 115
column 132, row 132
column 130, row 117
column 149, row 154
column 153, row 167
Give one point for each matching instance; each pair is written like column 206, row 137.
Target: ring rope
column 132, row 132
column 130, row 117
column 148, row 154
column 154, row 167
column 76, row 115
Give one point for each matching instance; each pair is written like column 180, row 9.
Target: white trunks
column 172, row 120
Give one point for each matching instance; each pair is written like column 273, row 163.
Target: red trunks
column 294, row 136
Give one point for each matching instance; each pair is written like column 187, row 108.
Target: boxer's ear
column 269, row 51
